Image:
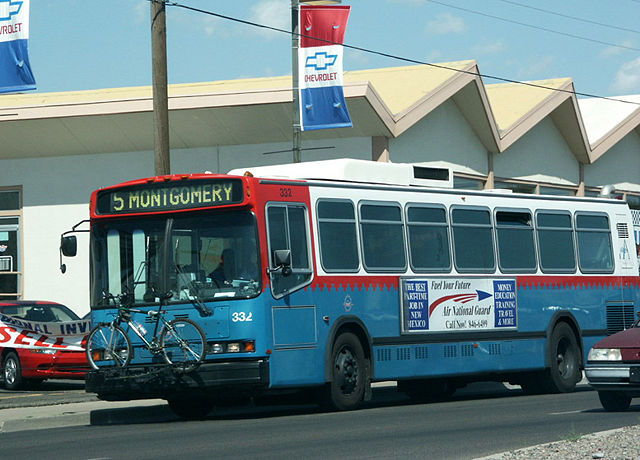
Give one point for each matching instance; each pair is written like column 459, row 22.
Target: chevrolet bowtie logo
column 9, row 8
column 321, row 60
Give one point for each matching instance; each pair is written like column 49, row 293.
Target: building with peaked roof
column 58, row 147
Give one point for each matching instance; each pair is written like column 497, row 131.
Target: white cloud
column 141, row 12
column 615, row 50
column 535, row 68
column 627, row 78
column 355, row 58
column 273, row 13
column 489, row 47
column 445, row 23
column 214, row 26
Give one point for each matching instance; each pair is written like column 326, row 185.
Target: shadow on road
column 296, row 404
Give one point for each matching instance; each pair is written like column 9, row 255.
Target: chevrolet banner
column 320, row 79
column 20, row 333
column 15, row 70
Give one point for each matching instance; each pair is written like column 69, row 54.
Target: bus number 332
column 241, row 316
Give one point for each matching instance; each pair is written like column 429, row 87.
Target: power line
column 396, row 57
column 531, row 26
column 588, row 21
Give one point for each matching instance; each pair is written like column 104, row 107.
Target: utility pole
column 160, row 93
column 295, row 42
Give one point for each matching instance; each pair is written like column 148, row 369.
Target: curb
column 86, row 413
column 525, row 450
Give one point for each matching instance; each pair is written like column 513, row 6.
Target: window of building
column 9, row 200
column 555, row 241
column 595, row 252
column 428, row 238
column 382, row 234
column 472, row 239
column 288, row 229
column 10, row 244
column 633, row 200
column 10, row 270
column 338, row 238
column 516, row 187
column 468, row 183
column 558, row 191
column 516, row 247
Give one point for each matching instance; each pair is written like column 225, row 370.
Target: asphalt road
column 481, row 421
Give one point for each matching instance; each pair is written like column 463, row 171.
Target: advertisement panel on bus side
column 458, row 304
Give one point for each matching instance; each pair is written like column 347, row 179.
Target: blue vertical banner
column 320, row 74
column 15, row 70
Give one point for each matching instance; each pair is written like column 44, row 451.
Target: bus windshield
column 194, row 257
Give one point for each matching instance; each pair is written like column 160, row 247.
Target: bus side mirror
column 69, row 246
column 282, row 259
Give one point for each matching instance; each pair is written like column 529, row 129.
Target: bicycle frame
column 158, row 317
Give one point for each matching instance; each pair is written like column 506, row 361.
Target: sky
column 90, row 44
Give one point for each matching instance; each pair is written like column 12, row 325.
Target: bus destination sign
column 170, row 196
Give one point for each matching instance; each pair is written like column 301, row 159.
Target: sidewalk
column 84, row 413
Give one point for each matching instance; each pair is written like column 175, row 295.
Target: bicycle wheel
column 108, row 345
column 183, row 344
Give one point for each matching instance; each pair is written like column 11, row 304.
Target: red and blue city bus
column 332, row 275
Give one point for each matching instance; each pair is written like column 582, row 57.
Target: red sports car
column 22, row 366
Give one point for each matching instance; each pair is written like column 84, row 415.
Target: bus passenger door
column 290, row 270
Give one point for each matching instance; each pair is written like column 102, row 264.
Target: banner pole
column 295, row 43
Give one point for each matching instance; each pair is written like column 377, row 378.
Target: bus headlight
column 242, row 346
column 605, row 354
column 216, row 348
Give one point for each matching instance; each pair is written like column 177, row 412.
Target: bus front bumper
column 161, row 381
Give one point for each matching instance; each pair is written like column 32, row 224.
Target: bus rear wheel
column 564, row 372
column 347, row 387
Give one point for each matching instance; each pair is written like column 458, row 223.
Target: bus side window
column 472, row 239
column 288, row 229
column 338, row 236
column 428, row 233
column 595, row 251
column 382, row 234
column 555, row 241
column 516, row 246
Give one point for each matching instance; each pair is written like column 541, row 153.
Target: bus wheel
column 191, row 408
column 614, row 401
column 565, row 369
column 346, row 390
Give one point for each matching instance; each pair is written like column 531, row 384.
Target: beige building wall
column 541, row 155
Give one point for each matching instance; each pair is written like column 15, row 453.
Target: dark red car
column 21, row 366
column 613, row 368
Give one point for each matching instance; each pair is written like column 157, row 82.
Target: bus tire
column 614, row 401
column 564, row 371
column 348, row 374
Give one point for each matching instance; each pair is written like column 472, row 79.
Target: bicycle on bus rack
column 181, row 342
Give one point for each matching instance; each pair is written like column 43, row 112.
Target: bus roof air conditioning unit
column 350, row 170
